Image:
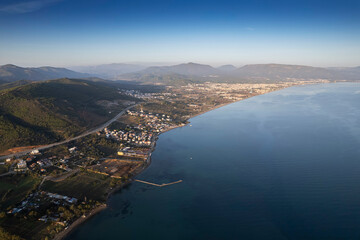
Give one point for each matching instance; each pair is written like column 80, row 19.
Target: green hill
column 13, row 84
column 43, row 112
column 11, row 73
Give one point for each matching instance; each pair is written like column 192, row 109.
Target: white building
column 21, row 164
column 35, row 151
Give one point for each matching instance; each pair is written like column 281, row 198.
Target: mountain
column 352, row 73
column 187, row 69
column 227, row 68
column 281, row 72
column 158, row 78
column 256, row 73
column 49, row 111
column 186, row 72
column 109, row 71
column 7, row 85
column 10, row 73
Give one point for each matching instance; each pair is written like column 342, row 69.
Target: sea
column 283, row 165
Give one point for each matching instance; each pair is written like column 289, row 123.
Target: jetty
column 157, row 185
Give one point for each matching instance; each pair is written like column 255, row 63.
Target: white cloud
column 25, row 7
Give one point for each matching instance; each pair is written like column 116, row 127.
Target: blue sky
column 89, row 32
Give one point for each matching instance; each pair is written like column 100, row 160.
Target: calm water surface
column 285, row 165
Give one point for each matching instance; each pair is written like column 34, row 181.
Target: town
column 126, row 151
column 57, row 186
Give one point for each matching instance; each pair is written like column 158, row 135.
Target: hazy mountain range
column 11, row 73
column 248, row 73
column 109, row 71
column 183, row 73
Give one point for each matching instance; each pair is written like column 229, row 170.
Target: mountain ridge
column 249, row 73
column 49, row 111
column 190, row 69
column 186, row 73
column 11, row 73
column 109, row 71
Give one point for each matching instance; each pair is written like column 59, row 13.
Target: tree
column 7, row 236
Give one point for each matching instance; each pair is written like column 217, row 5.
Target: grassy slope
column 14, row 190
column 5, row 85
column 44, row 112
column 93, row 186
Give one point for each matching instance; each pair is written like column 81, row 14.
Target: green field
column 4, row 169
column 83, row 184
column 29, row 229
column 14, row 189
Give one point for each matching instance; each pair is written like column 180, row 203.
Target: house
column 73, row 149
column 21, row 164
column 44, row 163
column 34, row 152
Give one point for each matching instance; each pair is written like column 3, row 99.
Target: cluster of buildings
column 153, row 122
column 35, row 162
column 164, row 95
column 34, row 199
column 237, row 91
column 24, row 205
column 41, row 164
column 44, row 163
column 135, row 93
column 128, row 152
column 70, row 200
column 22, row 165
column 141, row 113
column 143, row 133
column 130, row 137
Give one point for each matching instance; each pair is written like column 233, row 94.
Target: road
column 101, row 127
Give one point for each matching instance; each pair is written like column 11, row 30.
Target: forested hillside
column 49, row 111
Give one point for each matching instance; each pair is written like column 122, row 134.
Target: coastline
column 63, row 234
column 216, row 107
column 76, row 223
column 152, row 167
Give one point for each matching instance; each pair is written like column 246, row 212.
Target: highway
column 99, row 128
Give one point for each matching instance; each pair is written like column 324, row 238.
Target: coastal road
column 99, row 128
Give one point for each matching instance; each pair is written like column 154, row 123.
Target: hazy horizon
column 157, row 64
column 68, row 33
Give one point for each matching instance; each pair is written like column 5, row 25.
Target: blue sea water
column 284, row 165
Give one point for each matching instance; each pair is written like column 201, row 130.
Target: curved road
column 101, row 127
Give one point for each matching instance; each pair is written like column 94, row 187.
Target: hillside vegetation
column 43, row 112
column 4, row 86
column 11, row 73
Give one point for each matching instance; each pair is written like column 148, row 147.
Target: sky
column 90, row 32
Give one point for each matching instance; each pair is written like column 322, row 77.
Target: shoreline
column 63, row 234
column 79, row 221
column 66, row 232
